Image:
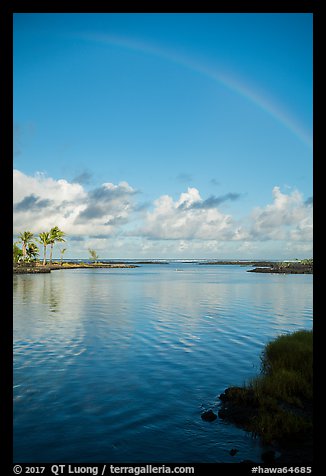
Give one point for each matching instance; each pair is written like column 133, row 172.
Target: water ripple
column 119, row 366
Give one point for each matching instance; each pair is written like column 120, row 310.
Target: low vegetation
column 277, row 405
column 284, row 389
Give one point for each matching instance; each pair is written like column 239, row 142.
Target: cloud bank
column 190, row 217
column 109, row 217
column 41, row 202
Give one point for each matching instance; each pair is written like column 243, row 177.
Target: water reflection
column 118, row 364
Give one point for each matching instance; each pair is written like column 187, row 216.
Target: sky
column 165, row 135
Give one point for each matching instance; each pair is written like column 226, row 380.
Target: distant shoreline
column 287, row 267
column 240, row 263
column 35, row 268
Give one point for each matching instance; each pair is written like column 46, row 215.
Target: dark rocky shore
column 277, row 405
column 33, row 268
column 240, row 410
column 29, row 269
column 286, row 267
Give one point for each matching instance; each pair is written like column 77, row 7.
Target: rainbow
column 271, row 107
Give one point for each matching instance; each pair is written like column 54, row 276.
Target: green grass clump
column 287, row 366
column 284, row 388
column 280, row 425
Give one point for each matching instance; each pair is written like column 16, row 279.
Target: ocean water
column 117, row 365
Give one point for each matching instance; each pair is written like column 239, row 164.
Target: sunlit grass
column 284, row 388
column 281, row 395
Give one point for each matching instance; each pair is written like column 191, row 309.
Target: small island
column 286, row 267
column 37, row 267
column 25, row 258
column 304, row 266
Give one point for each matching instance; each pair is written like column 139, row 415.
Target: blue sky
column 165, row 135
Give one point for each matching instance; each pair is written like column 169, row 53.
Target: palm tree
column 45, row 240
column 25, row 237
column 56, row 235
column 62, row 251
column 32, row 251
column 93, row 254
column 17, row 253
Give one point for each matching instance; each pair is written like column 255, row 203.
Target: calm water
column 118, row 365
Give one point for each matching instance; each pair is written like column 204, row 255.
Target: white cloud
column 288, row 217
column 107, row 218
column 189, row 198
column 45, row 187
column 181, row 220
column 41, row 202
